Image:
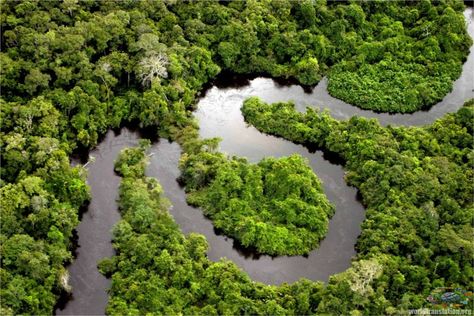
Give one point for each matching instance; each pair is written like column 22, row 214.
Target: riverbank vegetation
column 158, row 270
column 276, row 206
column 416, row 238
column 71, row 70
column 417, row 184
column 40, row 198
column 407, row 58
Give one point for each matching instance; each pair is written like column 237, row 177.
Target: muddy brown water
column 219, row 115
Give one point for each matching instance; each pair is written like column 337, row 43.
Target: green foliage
column 159, row 270
column 132, row 161
column 417, row 184
column 307, row 71
column 69, row 73
column 405, row 60
column 396, row 57
column 38, row 214
column 391, row 86
column 276, row 206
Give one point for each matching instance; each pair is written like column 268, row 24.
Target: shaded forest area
column 71, row 70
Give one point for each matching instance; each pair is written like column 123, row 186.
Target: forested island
column 276, row 206
column 72, row 70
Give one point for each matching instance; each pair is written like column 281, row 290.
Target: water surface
column 219, row 115
column 335, row 251
column 89, row 296
column 229, row 93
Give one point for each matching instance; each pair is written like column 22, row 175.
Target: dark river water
column 219, row 115
column 89, row 286
column 224, row 99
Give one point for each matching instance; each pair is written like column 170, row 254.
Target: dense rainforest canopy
column 276, row 206
column 417, row 184
column 159, row 270
column 417, row 236
column 71, row 70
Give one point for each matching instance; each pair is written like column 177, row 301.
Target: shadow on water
column 218, row 113
column 279, row 90
column 246, row 252
column 89, row 296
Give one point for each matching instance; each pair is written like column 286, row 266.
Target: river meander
column 218, row 113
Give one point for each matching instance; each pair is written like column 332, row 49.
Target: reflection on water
column 219, row 115
column 231, row 92
column 336, row 249
column 94, row 232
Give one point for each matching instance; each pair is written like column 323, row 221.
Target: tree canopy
column 70, row 70
column 158, row 270
column 417, row 184
column 276, row 206
column 416, row 239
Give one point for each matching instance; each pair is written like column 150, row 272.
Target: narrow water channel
column 89, row 295
column 336, row 250
column 228, row 93
column 219, row 115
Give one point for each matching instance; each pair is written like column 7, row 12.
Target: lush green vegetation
column 71, row 70
column 40, row 197
column 91, row 57
column 417, row 184
column 276, row 206
column 158, row 270
column 406, row 59
column 417, row 236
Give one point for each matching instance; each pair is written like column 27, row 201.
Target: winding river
column 228, row 97
column 89, row 296
column 219, row 115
